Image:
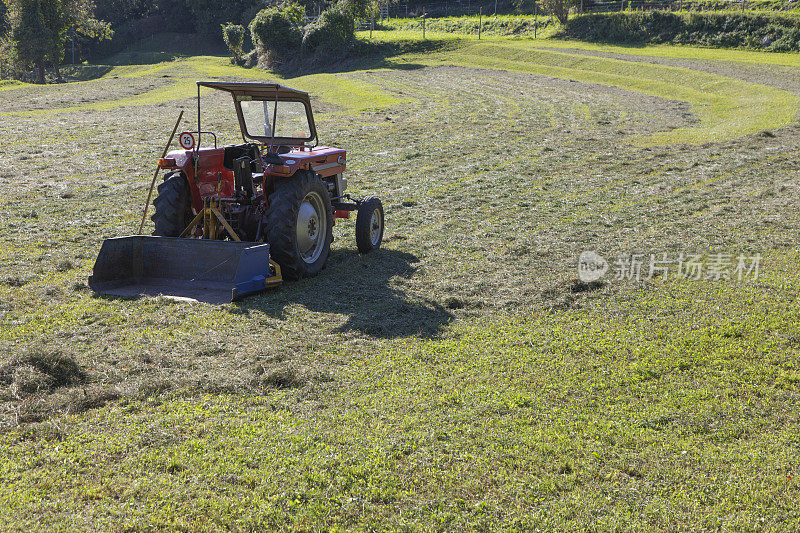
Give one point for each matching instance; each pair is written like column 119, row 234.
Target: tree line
column 37, row 35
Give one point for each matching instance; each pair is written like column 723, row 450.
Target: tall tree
column 559, row 8
column 117, row 12
column 3, row 19
column 32, row 37
column 209, row 15
column 39, row 30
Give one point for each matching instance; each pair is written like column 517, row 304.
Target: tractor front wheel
column 173, row 206
column 369, row 225
column 300, row 225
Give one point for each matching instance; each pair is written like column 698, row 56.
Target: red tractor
column 278, row 188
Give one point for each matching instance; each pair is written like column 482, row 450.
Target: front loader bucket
column 199, row 269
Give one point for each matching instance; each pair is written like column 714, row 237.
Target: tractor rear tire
column 369, row 225
column 300, row 225
column 173, row 206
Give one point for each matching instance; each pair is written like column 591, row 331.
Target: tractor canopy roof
column 257, row 91
column 289, row 122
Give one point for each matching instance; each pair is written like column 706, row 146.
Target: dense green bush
column 233, row 35
column 276, row 30
column 9, row 64
column 334, row 30
column 359, row 9
column 772, row 32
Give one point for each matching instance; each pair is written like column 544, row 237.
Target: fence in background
column 447, row 9
column 460, row 8
column 604, row 6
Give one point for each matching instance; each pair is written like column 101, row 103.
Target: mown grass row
column 727, row 108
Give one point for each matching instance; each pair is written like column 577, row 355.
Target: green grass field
column 459, row 379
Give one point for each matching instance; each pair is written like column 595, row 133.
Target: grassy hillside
column 459, row 379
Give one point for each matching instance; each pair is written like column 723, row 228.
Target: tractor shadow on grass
column 365, row 289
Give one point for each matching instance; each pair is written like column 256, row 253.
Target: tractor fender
column 205, row 181
column 187, row 172
column 184, row 165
